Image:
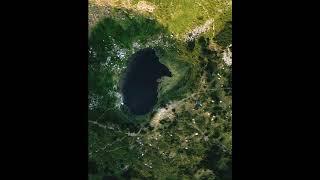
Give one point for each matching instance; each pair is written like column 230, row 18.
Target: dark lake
column 139, row 85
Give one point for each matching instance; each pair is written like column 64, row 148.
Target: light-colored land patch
column 145, row 6
column 163, row 113
column 227, row 56
column 197, row 31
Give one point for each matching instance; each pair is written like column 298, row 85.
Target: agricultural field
column 187, row 133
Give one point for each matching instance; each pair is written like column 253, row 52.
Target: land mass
column 185, row 129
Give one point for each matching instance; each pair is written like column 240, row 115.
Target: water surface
column 139, row 86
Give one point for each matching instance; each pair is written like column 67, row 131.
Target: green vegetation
column 182, row 16
column 224, row 37
column 191, row 139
